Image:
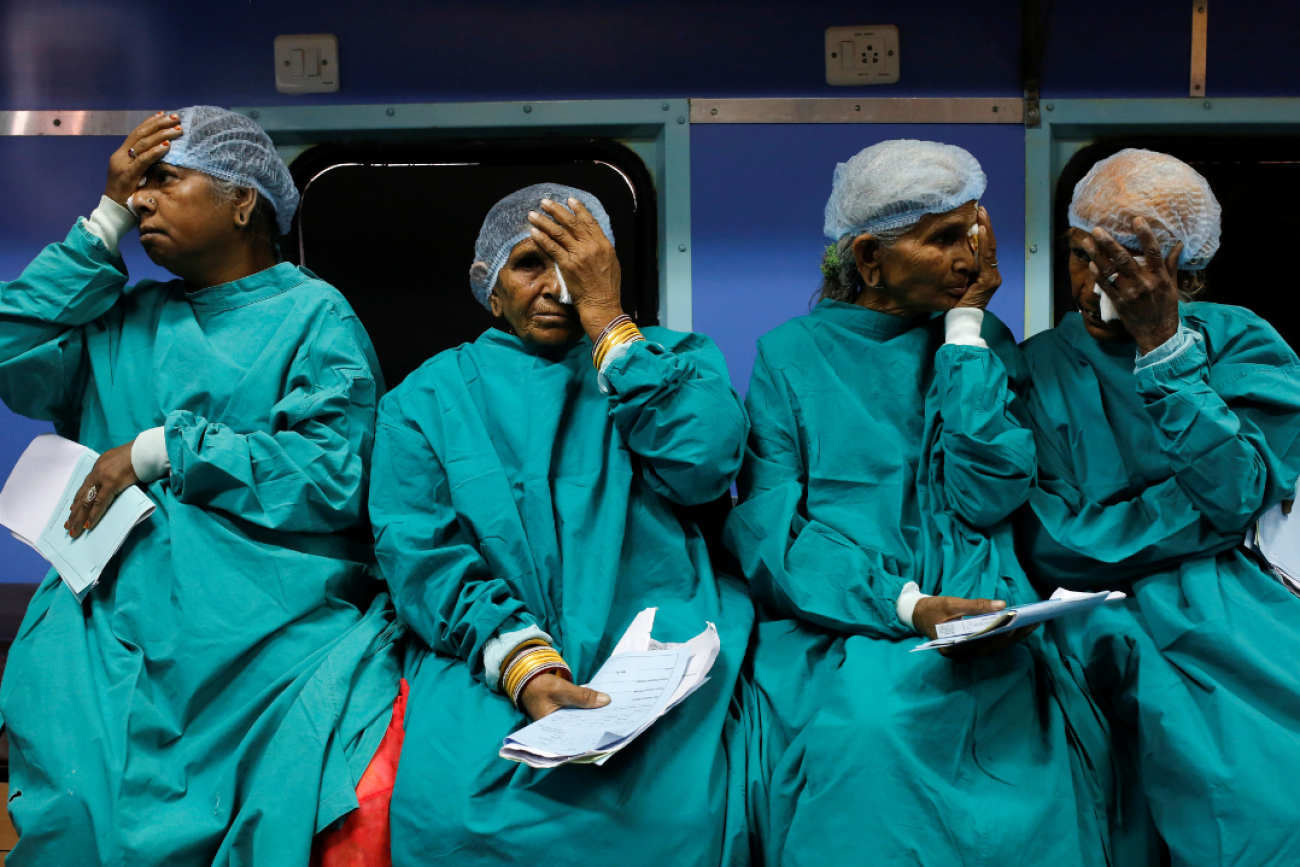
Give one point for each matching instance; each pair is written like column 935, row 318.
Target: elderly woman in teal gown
column 216, row 697
column 884, row 461
column 1165, row 428
column 529, row 498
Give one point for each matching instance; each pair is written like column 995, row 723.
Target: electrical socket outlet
column 862, row 55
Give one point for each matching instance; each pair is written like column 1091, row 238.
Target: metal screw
column 681, row 120
column 1209, row 105
column 528, row 109
column 664, row 106
column 286, row 63
column 391, row 112
column 1051, row 107
column 324, row 62
column 681, row 248
column 857, row 108
column 1033, row 112
column 1033, row 248
column 713, row 111
column 58, row 122
column 254, row 113
column 995, row 109
column 1200, row 10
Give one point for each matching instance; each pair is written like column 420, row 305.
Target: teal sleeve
column 1234, row 438
column 307, row 473
column 986, row 457
column 796, row 565
column 1086, row 541
column 442, row 586
column 677, row 411
column 42, row 312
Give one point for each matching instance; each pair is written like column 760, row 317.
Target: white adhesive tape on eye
column 565, row 297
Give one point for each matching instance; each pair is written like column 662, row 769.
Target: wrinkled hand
column 930, row 611
column 112, row 474
column 1145, row 294
column 151, row 141
column 586, row 259
column 547, row 693
column 989, row 279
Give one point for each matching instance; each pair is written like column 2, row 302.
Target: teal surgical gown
column 1147, row 484
column 216, row 697
column 509, row 491
column 878, row 455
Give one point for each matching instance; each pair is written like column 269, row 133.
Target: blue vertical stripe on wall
column 757, row 199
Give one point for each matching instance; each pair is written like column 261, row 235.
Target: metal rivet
column 713, row 111
column 391, row 112
column 58, row 122
column 681, row 120
column 1033, row 248
column 664, row 106
column 681, row 248
column 1209, row 105
column 857, row 108
column 1051, row 107
column 528, row 109
column 995, row 109
column 286, row 63
column 254, row 113
column 1033, row 112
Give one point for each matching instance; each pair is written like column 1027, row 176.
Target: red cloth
column 363, row 840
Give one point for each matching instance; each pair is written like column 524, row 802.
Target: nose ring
column 151, row 201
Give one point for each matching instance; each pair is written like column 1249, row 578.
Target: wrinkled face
column 527, row 296
column 931, row 266
column 182, row 221
column 1082, row 286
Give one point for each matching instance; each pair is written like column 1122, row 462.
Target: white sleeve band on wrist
column 149, row 456
column 110, row 222
column 907, row 599
column 500, row 647
column 961, row 326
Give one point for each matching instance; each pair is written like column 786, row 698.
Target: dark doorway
column 392, row 226
column 1252, row 177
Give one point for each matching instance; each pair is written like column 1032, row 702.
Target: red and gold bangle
column 529, row 663
column 626, row 333
column 520, row 650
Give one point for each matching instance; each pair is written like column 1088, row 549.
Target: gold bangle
column 524, row 662
column 521, row 661
column 533, row 663
column 514, row 654
column 624, row 334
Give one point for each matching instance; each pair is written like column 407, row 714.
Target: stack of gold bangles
column 621, row 330
column 530, row 659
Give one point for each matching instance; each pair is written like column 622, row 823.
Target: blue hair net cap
column 896, row 183
column 229, row 146
column 507, row 224
column 1173, row 197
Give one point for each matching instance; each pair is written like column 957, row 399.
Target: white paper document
column 644, row 679
column 1277, row 537
column 987, row 625
column 36, row 500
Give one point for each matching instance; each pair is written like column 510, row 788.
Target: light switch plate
column 307, row 63
column 862, row 55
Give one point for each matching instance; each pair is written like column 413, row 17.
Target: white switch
column 862, row 55
column 307, row 63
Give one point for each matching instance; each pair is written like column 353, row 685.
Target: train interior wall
column 757, row 191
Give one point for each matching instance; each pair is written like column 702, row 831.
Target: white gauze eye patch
column 1108, row 311
column 565, row 297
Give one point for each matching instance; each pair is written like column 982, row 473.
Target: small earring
column 242, row 219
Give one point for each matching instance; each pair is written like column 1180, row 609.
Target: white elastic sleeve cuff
column 149, row 456
column 613, row 354
column 961, row 326
column 499, row 648
column 110, row 222
column 907, row 600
